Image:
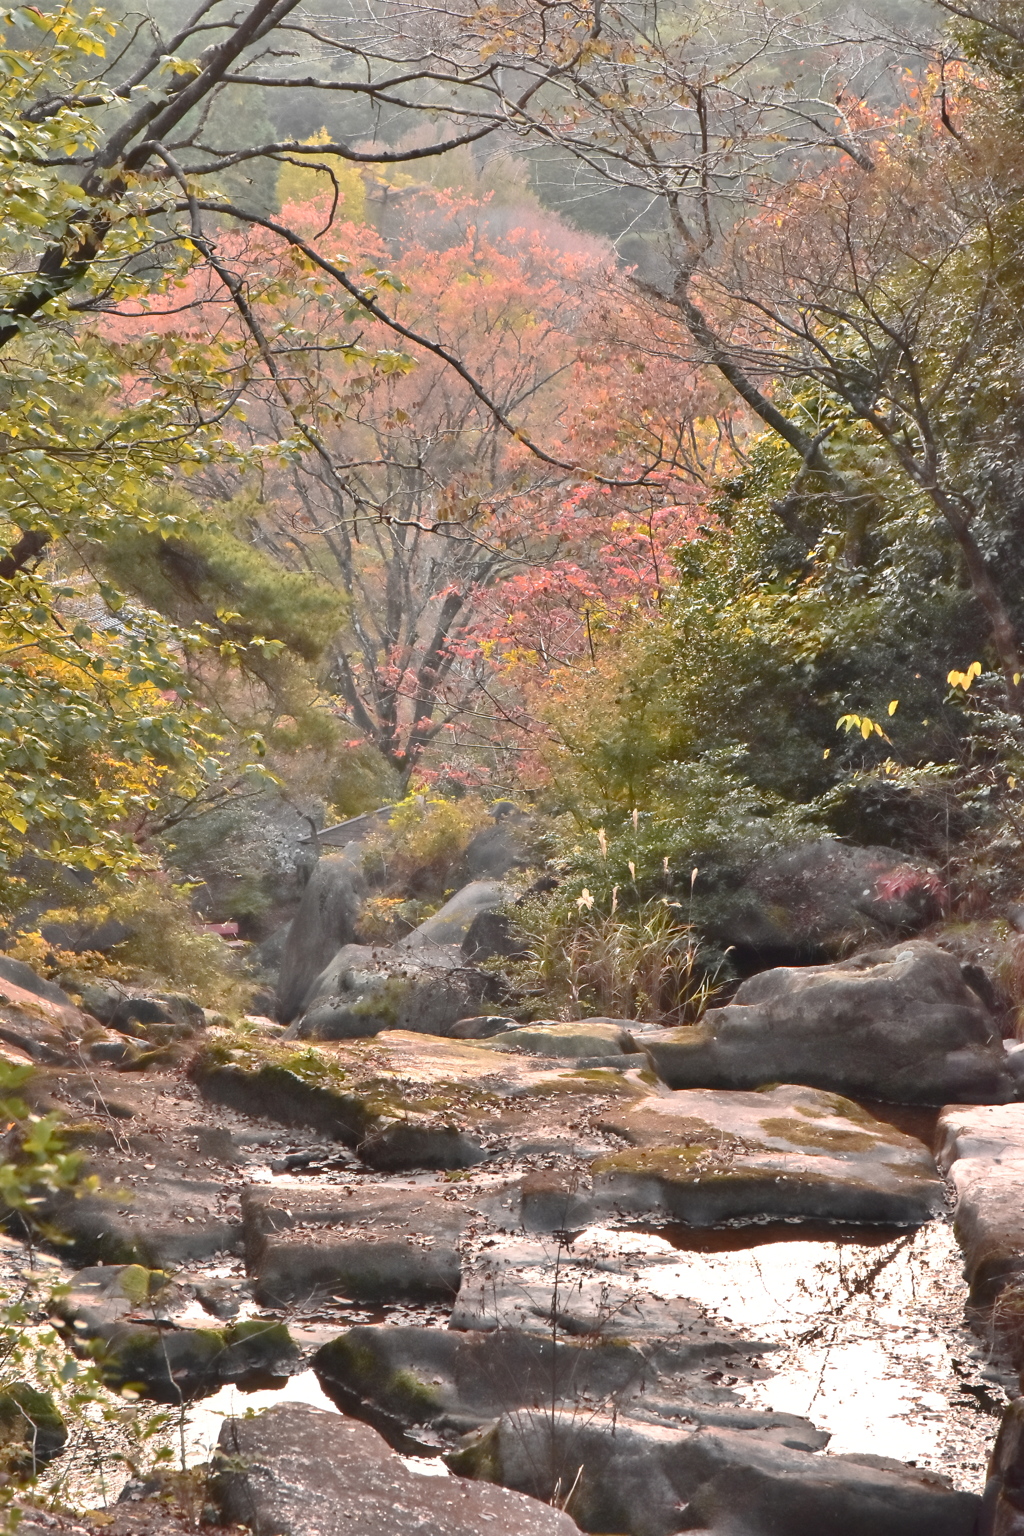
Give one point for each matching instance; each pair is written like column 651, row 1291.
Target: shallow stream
column 867, row 1324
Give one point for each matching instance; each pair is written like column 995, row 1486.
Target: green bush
column 166, row 949
column 420, row 851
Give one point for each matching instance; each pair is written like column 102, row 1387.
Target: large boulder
column 300, row 1471
column 25, row 979
column 350, row 1090
column 705, row 1157
column 643, row 1480
column 897, row 1024
column 452, row 923
column 1002, row 1511
column 819, row 898
column 494, row 851
column 325, row 922
column 369, row 988
column 424, row 1386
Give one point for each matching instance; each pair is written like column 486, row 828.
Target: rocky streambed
column 563, row 1277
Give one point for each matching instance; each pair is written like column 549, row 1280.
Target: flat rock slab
column 642, row 1480
column 982, row 1150
column 706, row 1156
column 357, row 1092
column 295, row 1086
column 374, row 1244
column 589, row 1289
column 896, row 1024
column 300, row 1471
column 152, row 1208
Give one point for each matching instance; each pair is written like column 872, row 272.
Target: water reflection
column 872, row 1343
column 206, row 1417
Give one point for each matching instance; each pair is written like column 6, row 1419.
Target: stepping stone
column 705, row 1156
column 585, row 1037
column 372, row 1244
column 302, row 1471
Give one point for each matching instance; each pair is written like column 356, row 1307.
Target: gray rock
column 407, row 1145
column 102, row 999
column 135, row 1014
column 366, row 989
column 982, row 1150
column 423, row 1387
column 292, row 1093
column 160, row 1216
column 299, row 1471
column 1002, row 1512
column 130, row 1320
column 270, row 953
column 303, row 1268
column 707, row 1156
column 22, row 975
column 494, row 851
column 825, row 896
column 326, row 920
column 582, row 1038
column 644, row 1480
column 897, row 1024
column 374, row 1245
column 452, row 922
column 483, row 1026
column 84, row 937
column 494, row 935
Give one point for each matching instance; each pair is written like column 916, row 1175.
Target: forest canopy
column 615, row 409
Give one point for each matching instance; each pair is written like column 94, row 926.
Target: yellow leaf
column 1011, row 781
column 827, row 752
column 893, row 703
